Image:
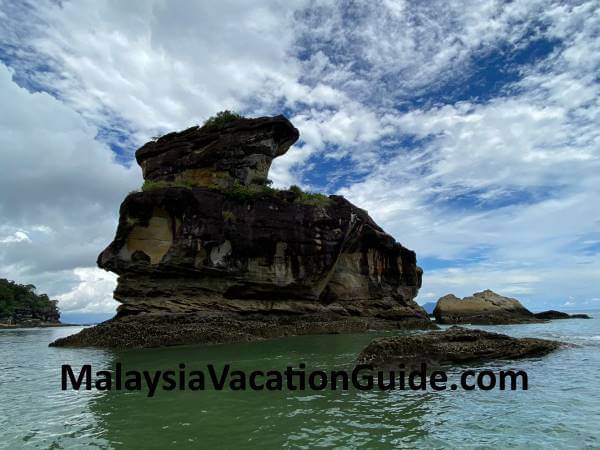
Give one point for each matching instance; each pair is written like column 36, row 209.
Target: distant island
column 21, row 306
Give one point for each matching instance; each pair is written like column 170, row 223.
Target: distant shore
column 4, row 326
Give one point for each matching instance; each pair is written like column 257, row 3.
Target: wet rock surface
column 210, row 327
column 456, row 345
column 556, row 315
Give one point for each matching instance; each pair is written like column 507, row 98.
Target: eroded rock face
column 456, row 345
column 228, row 267
column 200, row 243
column 482, row 308
column 241, row 150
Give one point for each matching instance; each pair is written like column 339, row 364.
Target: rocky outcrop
column 211, row 254
column 32, row 317
column 483, row 308
column 555, row 315
column 239, row 151
column 36, row 317
column 456, row 345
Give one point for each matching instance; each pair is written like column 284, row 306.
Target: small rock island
column 455, row 345
column 482, row 308
column 20, row 306
column 208, row 252
column 490, row 308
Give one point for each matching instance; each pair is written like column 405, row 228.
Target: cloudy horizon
column 468, row 130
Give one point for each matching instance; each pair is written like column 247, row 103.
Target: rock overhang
column 239, row 151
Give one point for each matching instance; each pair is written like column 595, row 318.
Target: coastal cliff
column 208, row 252
column 20, row 306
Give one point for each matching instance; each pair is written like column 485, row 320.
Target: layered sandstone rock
column 456, row 345
column 485, row 307
column 210, row 254
column 241, row 150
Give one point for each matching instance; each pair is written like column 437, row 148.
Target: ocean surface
column 560, row 409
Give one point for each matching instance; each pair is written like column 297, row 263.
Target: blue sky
column 468, row 129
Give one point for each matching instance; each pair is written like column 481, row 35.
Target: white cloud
column 17, row 236
column 59, row 190
column 391, row 51
column 92, row 294
column 157, row 65
column 508, row 187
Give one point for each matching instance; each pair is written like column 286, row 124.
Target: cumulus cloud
column 92, row 294
column 59, row 190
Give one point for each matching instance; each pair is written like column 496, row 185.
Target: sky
column 468, row 129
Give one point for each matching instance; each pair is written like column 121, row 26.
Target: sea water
column 561, row 408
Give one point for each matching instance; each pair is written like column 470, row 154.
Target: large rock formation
column 209, row 253
column 482, row 308
column 455, row 345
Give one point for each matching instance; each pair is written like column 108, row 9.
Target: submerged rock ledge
column 209, row 253
column 456, row 345
column 155, row 330
column 559, row 315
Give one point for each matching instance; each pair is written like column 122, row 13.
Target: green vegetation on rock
column 152, row 185
column 262, row 181
column 241, row 192
column 309, row 198
column 220, row 119
column 229, row 216
column 20, row 303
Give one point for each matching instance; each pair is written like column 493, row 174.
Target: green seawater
column 560, row 409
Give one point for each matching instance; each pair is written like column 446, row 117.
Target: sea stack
column 209, row 253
